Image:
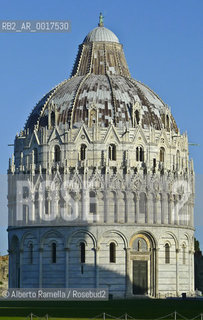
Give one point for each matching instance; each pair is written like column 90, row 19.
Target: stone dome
column 101, row 187
column 101, row 34
column 101, row 79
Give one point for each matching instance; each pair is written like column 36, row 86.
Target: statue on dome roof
column 101, row 20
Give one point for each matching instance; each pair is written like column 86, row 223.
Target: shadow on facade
column 83, row 257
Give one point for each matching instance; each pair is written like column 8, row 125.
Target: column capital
column 96, row 249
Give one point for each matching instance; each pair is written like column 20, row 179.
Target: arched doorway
column 143, row 262
column 14, row 268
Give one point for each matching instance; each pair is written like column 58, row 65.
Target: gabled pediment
column 163, row 139
column 112, row 135
column 97, row 181
column 139, row 137
column 116, row 182
column 82, row 135
column 55, row 136
column 34, row 140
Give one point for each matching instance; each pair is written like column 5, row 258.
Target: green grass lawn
column 137, row 308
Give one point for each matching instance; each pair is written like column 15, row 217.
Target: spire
column 101, row 20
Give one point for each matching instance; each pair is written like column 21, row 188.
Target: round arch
column 148, row 235
column 68, row 241
column 115, row 232
column 25, row 235
column 57, row 234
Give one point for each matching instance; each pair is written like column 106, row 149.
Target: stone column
column 158, row 208
column 128, row 277
column 191, row 206
column 175, row 208
column 164, row 209
column 106, row 206
column 119, row 207
column 147, row 209
column 96, row 215
column 85, row 204
column 67, row 267
column 40, row 202
column 21, row 264
column 40, row 267
column 100, row 207
column 170, row 208
column 56, row 205
column 129, row 214
column 150, row 209
column 192, row 270
column 49, row 203
column 96, row 250
column 137, row 208
column 32, row 216
column 177, row 272
column 155, row 208
column 156, row 271
column 189, row 266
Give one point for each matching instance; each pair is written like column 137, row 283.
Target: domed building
column 100, row 186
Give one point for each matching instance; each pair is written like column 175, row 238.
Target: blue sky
column 163, row 45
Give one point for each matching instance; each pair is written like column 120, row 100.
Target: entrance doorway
column 140, row 280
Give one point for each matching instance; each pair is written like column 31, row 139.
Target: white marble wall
column 172, row 278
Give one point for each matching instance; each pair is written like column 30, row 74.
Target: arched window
column 112, row 252
column 154, row 163
column 47, row 203
column 139, row 245
column 162, row 154
column 137, row 154
column 167, row 253
column 137, row 116
column 82, row 252
column 31, row 253
column 93, row 204
column 184, row 255
column 53, row 248
column 112, row 152
column 167, row 122
column 83, row 152
column 92, row 117
column 53, row 119
column 35, row 155
column 57, row 154
column 140, row 154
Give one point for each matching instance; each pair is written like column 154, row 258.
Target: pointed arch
column 162, row 154
column 112, row 152
column 57, row 153
column 83, row 152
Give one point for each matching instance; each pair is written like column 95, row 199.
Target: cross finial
column 101, row 20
